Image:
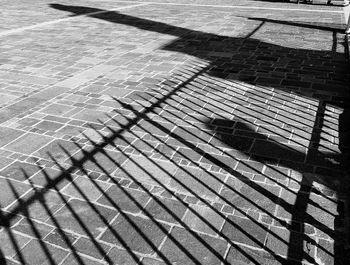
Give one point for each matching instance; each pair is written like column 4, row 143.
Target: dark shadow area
column 132, row 127
column 2, row 258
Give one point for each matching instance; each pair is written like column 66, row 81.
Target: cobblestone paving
column 173, row 132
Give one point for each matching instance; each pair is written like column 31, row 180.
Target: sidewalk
column 163, row 132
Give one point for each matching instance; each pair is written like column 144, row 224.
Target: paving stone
column 154, row 128
column 127, row 232
column 105, row 162
column 245, row 230
column 28, row 143
column 91, row 116
column 12, row 242
column 51, row 178
column 85, row 188
column 325, row 252
column 281, row 175
column 189, row 134
column 254, row 167
column 190, row 249
column 175, row 209
column 203, row 218
column 56, row 109
column 57, row 149
column 116, row 92
column 125, row 199
column 224, row 162
column 290, row 244
column 148, row 261
column 19, row 171
column 144, row 169
column 4, row 162
column 245, row 194
column 10, row 191
column 27, row 121
column 70, row 130
column 7, row 135
column 244, row 255
column 33, row 228
column 80, row 217
column 43, row 208
column 49, row 126
column 62, row 239
column 121, row 256
column 73, row 260
column 190, row 180
column 35, row 253
column 94, row 249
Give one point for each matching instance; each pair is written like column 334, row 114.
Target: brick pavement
column 172, row 133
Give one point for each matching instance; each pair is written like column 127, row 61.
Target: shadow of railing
column 209, row 153
column 99, row 148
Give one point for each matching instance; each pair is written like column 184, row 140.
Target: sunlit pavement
column 173, row 132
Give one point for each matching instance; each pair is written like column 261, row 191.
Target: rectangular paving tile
column 204, row 219
column 60, row 150
column 167, row 210
column 8, row 134
column 56, row 109
column 83, row 187
column 34, row 253
column 251, row 195
column 4, row 162
column 128, row 231
column 144, row 169
column 10, row 243
column 51, row 178
column 242, row 254
column 115, row 92
column 86, row 246
column 82, row 218
column 33, row 228
column 121, row 256
column 105, row 162
column 9, row 191
column 125, row 199
column 245, row 231
column 28, row 143
column 39, row 209
column 203, row 184
column 19, row 171
column 91, row 116
column 290, row 243
column 49, row 125
column 72, row 260
column 190, row 250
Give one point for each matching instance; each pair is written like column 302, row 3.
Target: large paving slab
column 173, row 132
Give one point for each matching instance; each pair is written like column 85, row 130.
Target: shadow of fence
column 190, row 172
column 178, row 186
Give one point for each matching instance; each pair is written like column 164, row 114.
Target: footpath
column 173, row 132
